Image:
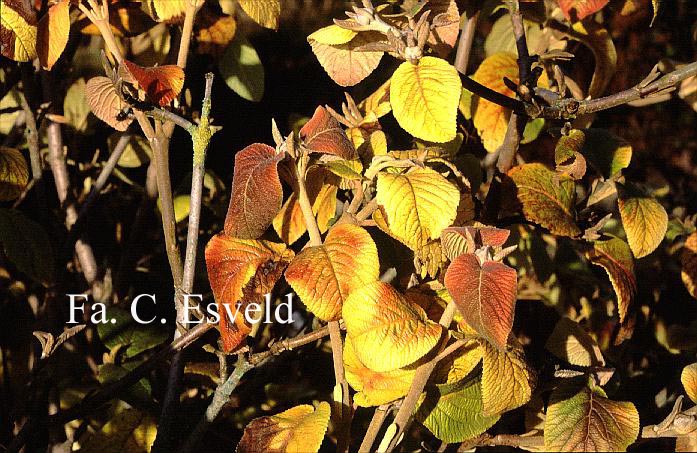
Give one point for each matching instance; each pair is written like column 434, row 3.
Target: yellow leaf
column 458, row 365
column 689, row 381
column 374, row 388
column 490, row 119
column 324, row 206
column 299, row 429
column 343, row 63
column 644, row 220
column 17, row 30
column 387, row 330
column 424, row 98
column 131, row 431
column 688, row 259
column 615, row 257
column 289, row 223
column 54, row 29
column 418, row 205
column 324, row 276
column 14, row 173
column 264, row 12
column 165, row 10
column 507, row 381
column 570, row 342
column 332, row 35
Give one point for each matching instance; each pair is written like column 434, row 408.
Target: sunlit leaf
column 325, row 275
column 214, row 31
column 14, row 173
column 374, row 388
column 454, row 412
column 323, row 134
column 615, row 256
column 162, row 84
column 643, row 218
column 298, row 429
column 256, row 192
column 459, row 240
column 418, row 204
column 53, row 32
column 688, row 377
column 579, row 9
column 130, row 431
column 568, row 156
column 17, row 30
column 570, row 342
column 165, row 10
column 332, row 35
column 264, row 12
column 106, row 103
column 606, row 152
column 507, row 381
column 546, row 198
column 345, row 63
column 443, row 37
column 242, row 70
column 424, row 98
column 388, row 331
column 580, row 418
column 458, row 365
column 137, row 152
column 485, row 294
column 688, row 259
column 126, row 19
column 232, row 263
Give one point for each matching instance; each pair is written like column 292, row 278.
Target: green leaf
column 643, row 218
column 130, row 431
column 242, row 70
column 27, row 246
column 581, row 418
column 138, row 394
column 532, row 130
column 137, row 152
column 454, row 412
column 606, row 152
column 76, row 109
column 123, row 330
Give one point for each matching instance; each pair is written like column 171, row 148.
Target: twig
column 342, row 397
column 373, row 430
column 464, row 45
column 220, row 398
column 530, row 440
column 403, row 418
column 304, row 201
column 289, row 344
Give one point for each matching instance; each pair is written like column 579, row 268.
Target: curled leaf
column 162, row 84
column 576, row 10
column 323, row 134
column 105, row 103
column 688, row 259
column 688, row 377
column 345, row 63
column 615, row 257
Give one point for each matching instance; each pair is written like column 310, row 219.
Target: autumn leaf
column 162, row 84
column 346, row 63
column 446, row 18
column 125, row 19
column 256, row 192
column 14, row 173
column 374, row 388
column 606, row 152
column 332, row 35
column 213, row 31
column 570, row 342
column 424, row 97
column 325, row 275
column 298, row 429
column 264, row 12
column 688, row 260
column 105, row 103
column 459, row 240
column 53, row 32
column 454, row 412
column 232, row 264
column 323, row 134
column 581, row 418
column 546, row 198
column 576, row 10
column 485, row 293
column 18, row 30
column 507, row 381
column 387, row 330
column 688, row 377
column 165, row 10
column 490, row 119
column 128, row 431
column 568, row 157
column 644, row 219
column 418, row 204
column 242, row 69
column 458, row 365
column 615, row 257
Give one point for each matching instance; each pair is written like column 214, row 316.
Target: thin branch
column 166, row 115
column 373, row 430
column 342, row 397
column 289, row 344
column 464, row 45
column 305, row 205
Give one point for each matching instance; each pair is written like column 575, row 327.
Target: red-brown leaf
column 161, row 83
column 485, row 294
column 579, row 9
column 323, row 134
column 459, row 240
column 257, row 194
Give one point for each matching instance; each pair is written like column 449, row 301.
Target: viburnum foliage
column 461, row 234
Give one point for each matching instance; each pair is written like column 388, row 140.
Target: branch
column 464, row 45
column 289, row 344
column 304, row 201
column 342, row 398
column 371, row 433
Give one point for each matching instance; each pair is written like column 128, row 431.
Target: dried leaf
column 105, row 103
column 346, row 65
column 688, row 259
column 688, row 377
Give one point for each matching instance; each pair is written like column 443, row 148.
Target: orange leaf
column 325, row 275
column 54, row 29
column 240, row 272
column 576, row 10
column 443, row 36
column 256, row 192
column 161, row 83
column 323, row 134
column 485, row 293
